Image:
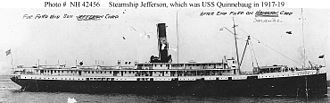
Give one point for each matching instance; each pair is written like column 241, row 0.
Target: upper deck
column 135, row 69
column 152, row 66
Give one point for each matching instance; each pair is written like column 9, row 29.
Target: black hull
column 285, row 86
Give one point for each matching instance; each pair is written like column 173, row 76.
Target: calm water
column 9, row 93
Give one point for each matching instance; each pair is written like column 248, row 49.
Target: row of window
column 55, row 78
column 144, row 73
column 138, row 79
column 181, row 65
column 56, row 71
column 272, row 76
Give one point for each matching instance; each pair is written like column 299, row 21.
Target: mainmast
column 236, row 48
column 303, row 37
column 177, row 38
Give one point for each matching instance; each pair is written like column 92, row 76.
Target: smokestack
column 161, row 29
column 162, row 45
column 162, row 42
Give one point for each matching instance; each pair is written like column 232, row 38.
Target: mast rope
column 264, row 44
column 253, row 54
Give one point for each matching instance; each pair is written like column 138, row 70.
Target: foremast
column 236, row 48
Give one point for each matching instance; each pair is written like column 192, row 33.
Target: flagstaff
column 12, row 61
column 8, row 52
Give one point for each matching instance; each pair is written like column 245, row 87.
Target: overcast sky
column 201, row 39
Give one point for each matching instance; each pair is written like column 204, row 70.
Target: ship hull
column 302, row 86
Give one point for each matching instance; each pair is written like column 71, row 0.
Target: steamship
column 161, row 76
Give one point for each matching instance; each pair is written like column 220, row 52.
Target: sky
column 201, row 38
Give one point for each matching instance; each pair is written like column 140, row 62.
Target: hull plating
column 311, row 85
